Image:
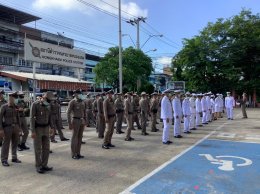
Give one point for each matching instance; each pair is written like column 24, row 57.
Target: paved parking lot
column 189, row 165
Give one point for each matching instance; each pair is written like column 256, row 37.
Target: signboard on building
column 41, row 52
column 176, row 85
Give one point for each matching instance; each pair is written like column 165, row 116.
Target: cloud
column 165, row 61
column 72, row 5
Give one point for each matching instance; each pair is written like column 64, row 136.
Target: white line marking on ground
column 237, row 141
column 128, row 190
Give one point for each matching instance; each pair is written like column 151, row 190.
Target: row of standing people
column 195, row 110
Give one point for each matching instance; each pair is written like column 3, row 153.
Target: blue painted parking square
column 210, row 167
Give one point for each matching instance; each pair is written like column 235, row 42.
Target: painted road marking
column 192, row 173
column 128, row 190
column 226, row 165
column 227, row 135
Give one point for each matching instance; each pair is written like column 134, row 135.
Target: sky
column 94, row 23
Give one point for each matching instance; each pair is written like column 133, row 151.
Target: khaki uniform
column 154, row 109
column 109, row 116
column 2, row 102
column 243, row 107
column 77, row 119
column 89, row 113
column 119, row 105
column 144, row 113
column 95, row 111
column 23, row 121
column 40, row 123
column 136, row 112
column 56, row 119
column 129, row 117
column 10, row 124
column 101, row 118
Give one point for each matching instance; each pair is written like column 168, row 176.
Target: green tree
column 224, row 56
column 136, row 65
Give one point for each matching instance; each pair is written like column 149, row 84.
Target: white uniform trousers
column 208, row 116
column 166, row 130
column 229, row 113
column 198, row 119
column 177, row 126
column 192, row 121
column 186, row 123
column 204, row 117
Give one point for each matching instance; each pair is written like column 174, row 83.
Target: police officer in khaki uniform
column 101, row 118
column 10, row 129
column 136, row 111
column 144, row 112
column 88, row 104
column 55, row 120
column 109, row 116
column 23, row 112
column 119, row 105
column 2, row 102
column 76, row 114
column 95, row 110
column 129, row 116
column 154, row 109
column 40, row 126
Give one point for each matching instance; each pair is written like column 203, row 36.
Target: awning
column 49, row 82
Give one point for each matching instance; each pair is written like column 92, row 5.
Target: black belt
column 9, row 125
column 130, row 113
column 41, row 125
column 109, row 116
column 77, row 118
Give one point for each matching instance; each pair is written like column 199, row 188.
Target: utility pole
column 120, row 49
column 136, row 22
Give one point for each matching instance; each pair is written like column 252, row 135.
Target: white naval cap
column 177, row 91
column 187, row 93
column 166, row 91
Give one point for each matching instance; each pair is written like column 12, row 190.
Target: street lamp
column 152, row 50
column 129, row 37
column 151, row 36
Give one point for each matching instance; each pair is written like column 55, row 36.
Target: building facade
column 12, row 35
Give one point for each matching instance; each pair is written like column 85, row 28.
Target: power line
column 145, row 23
column 160, row 33
column 59, row 20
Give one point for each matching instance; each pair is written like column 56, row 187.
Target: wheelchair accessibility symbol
column 227, row 165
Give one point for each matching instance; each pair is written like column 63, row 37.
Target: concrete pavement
column 114, row 170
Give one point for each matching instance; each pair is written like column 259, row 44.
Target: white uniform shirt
column 229, row 102
column 192, row 105
column 212, row 101
column 198, row 105
column 176, row 105
column 208, row 102
column 166, row 108
column 186, row 106
column 204, row 105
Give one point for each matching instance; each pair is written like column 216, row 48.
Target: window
column 5, row 60
column 21, row 62
column 10, row 60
